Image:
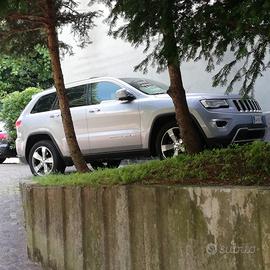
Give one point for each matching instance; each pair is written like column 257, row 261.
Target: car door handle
column 55, row 115
column 94, row 110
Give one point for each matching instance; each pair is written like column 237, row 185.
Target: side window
column 44, row 103
column 103, row 91
column 77, row 97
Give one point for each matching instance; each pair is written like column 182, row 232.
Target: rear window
column 44, row 104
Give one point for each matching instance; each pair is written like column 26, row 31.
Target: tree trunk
column 53, row 46
column 191, row 138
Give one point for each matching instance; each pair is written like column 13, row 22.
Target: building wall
column 109, row 57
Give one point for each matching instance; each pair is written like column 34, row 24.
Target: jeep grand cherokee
column 115, row 119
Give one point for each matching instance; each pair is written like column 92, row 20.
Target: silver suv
column 116, row 119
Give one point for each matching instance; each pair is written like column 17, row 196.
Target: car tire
column 108, row 164
column 2, row 160
column 44, row 159
column 168, row 141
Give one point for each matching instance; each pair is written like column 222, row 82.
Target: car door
column 113, row 125
column 78, row 103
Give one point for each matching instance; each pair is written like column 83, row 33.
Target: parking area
column 13, row 254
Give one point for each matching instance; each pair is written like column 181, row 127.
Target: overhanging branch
column 29, row 18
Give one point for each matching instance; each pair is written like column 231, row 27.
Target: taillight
column 18, row 123
column 3, row 136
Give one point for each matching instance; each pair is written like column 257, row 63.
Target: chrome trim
column 247, row 105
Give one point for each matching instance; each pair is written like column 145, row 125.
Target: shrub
column 12, row 106
column 235, row 165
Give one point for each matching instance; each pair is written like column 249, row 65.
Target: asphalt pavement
column 13, row 254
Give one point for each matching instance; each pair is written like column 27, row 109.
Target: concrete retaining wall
column 147, row 227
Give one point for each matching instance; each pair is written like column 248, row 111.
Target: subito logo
column 211, row 249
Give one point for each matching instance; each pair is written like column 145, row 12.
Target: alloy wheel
column 42, row 161
column 172, row 143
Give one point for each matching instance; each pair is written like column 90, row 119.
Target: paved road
column 12, row 235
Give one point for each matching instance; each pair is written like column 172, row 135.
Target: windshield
column 147, row 86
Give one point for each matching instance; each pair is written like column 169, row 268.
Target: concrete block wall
column 147, row 227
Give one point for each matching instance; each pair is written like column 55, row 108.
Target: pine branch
column 28, row 18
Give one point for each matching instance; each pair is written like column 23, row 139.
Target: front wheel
column 44, row 159
column 108, row 164
column 169, row 142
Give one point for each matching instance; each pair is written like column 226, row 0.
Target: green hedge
column 12, row 106
column 236, row 165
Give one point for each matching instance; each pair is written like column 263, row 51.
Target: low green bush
column 237, row 165
column 12, row 106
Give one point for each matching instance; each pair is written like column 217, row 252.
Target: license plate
column 257, row 119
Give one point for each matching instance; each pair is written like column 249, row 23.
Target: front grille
column 247, row 105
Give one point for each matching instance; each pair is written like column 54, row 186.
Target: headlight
column 215, row 103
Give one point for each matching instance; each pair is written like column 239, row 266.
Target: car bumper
column 20, row 147
column 6, row 151
column 239, row 134
column 23, row 160
column 226, row 125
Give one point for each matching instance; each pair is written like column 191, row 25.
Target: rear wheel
column 106, row 164
column 2, row 160
column 44, row 159
column 169, row 142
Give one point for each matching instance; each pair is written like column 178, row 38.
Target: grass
column 236, row 165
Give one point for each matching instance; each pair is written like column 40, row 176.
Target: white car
column 116, row 119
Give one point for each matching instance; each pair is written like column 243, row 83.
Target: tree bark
column 191, row 138
column 53, row 47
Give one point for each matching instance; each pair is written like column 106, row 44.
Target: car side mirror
column 123, row 94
